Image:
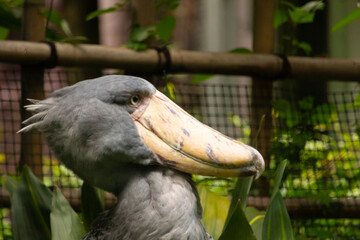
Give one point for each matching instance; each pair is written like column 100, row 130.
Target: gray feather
column 89, row 127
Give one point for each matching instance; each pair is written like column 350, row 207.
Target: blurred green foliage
column 317, row 158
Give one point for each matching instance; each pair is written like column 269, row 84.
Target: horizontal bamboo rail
column 182, row 61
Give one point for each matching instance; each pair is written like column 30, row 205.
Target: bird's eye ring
column 134, row 100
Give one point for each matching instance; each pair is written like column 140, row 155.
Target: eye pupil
column 134, row 100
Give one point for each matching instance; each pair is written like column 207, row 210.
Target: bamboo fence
column 266, row 66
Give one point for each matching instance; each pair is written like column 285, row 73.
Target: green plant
column 5, row 224
column 11, row 13
column 38, row 213
column 243, row 222
column 316, row 159
column 291, row 16
column 351, row 17
column 141, row 37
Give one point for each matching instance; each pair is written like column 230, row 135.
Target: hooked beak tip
column 258, row 162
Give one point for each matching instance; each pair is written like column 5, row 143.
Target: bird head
column 98, row 127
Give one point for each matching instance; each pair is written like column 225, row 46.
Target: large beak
column 184, row 143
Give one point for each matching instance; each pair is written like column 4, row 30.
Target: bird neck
column 155, row 204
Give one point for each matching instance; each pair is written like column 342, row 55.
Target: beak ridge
column 186, row 144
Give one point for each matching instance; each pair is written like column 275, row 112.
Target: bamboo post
column 261, row 95
column 32, row 84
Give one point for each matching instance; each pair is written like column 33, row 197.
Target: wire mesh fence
column 319, row 141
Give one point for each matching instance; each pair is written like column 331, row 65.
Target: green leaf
column 54, row 17
column 278, row 176
column 172, row 4
column 30, row 202
column 136, row 46
column 355, row 15
column 10, row 185
column 100, row 12
column 240, row 50
column 8, row 19
column 255, row 219
column 277, row 224
column 307, row 103
column 240, row 192
column 198, row 78
column 170, row 90
column 66, row 28
column 306, row 13
column 298, row 15
column 92, row 203
column 214, row 210
column 65, row 223
column 165, row 28
column 280, row 17
column 139, row 34
column 52, row 35
column 306, row 47
column 238, row 226
column 4, row 32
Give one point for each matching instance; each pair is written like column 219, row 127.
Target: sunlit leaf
column 277, row 224
column 355, row 15
column 2, row 158
column 255, row 219
column 170, row 89
column 198, row 78
column 65, row 223
column 215, row 209
column 92, row 203
column 165, row 28
column 238, row 226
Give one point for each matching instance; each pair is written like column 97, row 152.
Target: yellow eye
column 134, row 100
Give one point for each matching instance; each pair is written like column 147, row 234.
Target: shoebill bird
column 120, row 134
